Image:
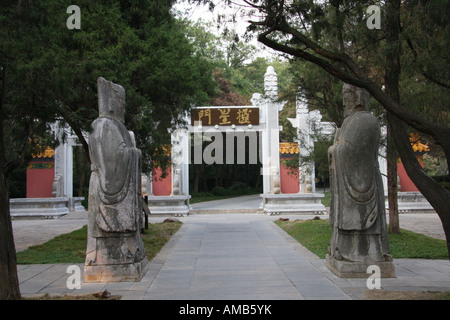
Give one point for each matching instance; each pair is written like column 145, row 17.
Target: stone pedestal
column 116, row 273
column 44, row 208
column 293, row 203
column 175, row 205
column 412, row 202
column 350, row 269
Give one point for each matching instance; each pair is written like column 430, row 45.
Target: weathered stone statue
column 115, row 250
column 357, row 208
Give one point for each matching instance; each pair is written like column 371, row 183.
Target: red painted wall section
column 289, row 182
column 405, row 182
column 162, row 187
column 40, row 182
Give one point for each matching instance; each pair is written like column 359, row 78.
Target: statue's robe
column 114, row 195
column 357, row 208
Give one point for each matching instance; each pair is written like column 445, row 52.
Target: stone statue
column 357, row 208
column 276, row 180
column 115, row 250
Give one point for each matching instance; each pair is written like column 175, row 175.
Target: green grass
column 326, row 199
column 157, row 235
column 315, row 235
column 71, row 247
column 66, row 248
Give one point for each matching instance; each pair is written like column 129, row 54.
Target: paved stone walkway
column 230, row 257
column 237, row 256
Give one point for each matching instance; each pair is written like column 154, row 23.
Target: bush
column 446, row 185
column 237, row 186
column 219, row 191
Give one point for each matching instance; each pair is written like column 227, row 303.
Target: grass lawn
column 316, row 234
column 71, row 247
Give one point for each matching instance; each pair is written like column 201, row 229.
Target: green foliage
column 320, row 158
column 51, row 71
column 237, row 189
column 435, row 166
column 219, row 191
column 17, row 183
column 321, row 90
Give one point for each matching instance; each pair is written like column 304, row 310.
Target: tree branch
column 424, row 73
column 359, row 79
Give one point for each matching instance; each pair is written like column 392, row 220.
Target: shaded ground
column 406, row 295
column 102, row 295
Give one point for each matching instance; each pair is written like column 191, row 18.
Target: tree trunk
column 216, row 167
column 197, row 175
column 9, row 282
column 392, row 89
column 83, row 173
column 437, row 195
column 391, row 155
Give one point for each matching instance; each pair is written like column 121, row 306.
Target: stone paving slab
column 231, row 257
column 238, row 257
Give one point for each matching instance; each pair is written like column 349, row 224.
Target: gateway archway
column 259, row 125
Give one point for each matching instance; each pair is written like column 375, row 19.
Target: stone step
column 218, row 211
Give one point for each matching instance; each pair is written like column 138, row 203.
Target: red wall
column 161, row 187
column 405, row 182
column 40, row 182
column 289, row 182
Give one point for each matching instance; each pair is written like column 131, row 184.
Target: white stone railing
column 44, row 208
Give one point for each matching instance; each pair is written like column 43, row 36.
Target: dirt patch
column 102, row 295
column 406, row 295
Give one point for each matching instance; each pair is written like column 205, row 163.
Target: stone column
column 271, row 136
column 306, row 145
column 63, row 182
column 306, row 123
column 180, row 162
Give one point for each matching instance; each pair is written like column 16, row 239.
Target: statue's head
column 111, row 100
column 355, row 99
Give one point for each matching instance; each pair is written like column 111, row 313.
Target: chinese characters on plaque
column 225, row 116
